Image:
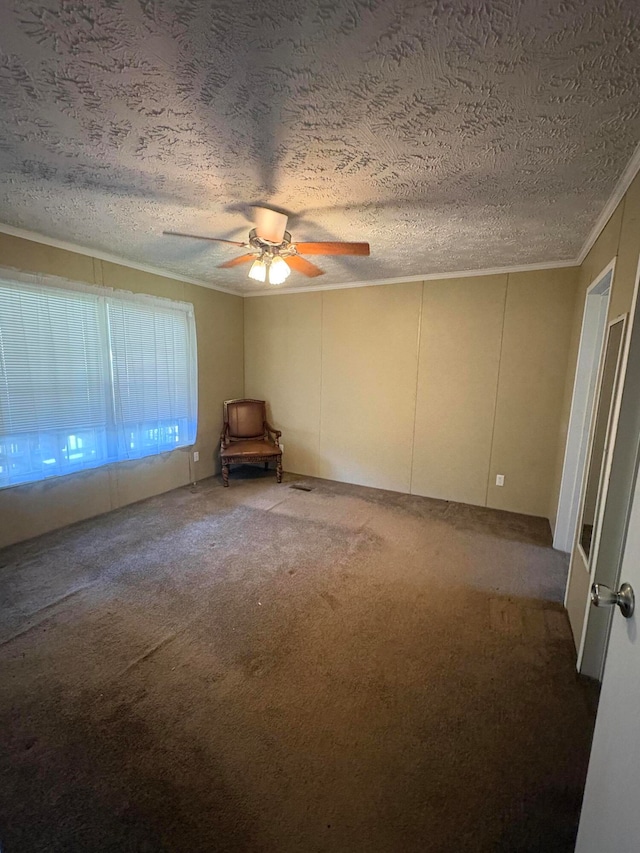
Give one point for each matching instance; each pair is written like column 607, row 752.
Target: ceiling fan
column 272, row 251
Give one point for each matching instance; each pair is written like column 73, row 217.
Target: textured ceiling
column 451, row 135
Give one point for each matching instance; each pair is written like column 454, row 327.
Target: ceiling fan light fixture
column 258, row 271
column 272, row 253
column 279, row 271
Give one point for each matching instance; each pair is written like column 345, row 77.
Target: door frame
column 590, row 563
column 594, row 663
column 591, row 560
column 592, row 336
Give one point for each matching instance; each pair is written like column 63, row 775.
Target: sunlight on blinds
column 87, row 379
column 152, row 378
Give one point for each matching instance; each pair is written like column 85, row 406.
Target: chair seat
column 259, row 447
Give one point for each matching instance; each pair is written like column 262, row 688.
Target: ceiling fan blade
column 201, row 237
column 243, row 259
column 270, row 224
column 304, row 266
column 333, row 248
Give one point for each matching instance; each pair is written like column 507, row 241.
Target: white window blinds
column 88, row 377
column 154, row 376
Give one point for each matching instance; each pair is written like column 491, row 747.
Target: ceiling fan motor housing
column 267, row 250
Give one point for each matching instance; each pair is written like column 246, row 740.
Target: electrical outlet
column 196, row 456
column 281, row 446
column 499, row 479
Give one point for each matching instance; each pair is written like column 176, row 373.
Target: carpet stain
column 331, row 600
column 149, row 652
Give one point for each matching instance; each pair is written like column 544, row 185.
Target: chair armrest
column 275, row 432
column 223, row 436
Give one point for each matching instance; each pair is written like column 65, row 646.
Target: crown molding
column 114, row 259
column 624, row 182
column 24, row 234
column 438, row 276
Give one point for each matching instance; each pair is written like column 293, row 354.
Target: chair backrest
column 246, row 418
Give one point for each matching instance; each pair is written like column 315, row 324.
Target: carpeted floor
column 263, row 668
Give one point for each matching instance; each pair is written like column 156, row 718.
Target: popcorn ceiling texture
column 450, row 135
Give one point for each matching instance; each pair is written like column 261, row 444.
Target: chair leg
column 225, row 475
column 279, row 470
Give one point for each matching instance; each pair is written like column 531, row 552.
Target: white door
column 610, row 819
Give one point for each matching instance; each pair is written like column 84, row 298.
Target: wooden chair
column 246, row 437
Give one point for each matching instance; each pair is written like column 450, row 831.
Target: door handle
column 602, row 596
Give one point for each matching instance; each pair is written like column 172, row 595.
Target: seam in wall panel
column 244, row 348
column 114, row 494
column 98, row 272
column 318, row 465
column 244, row 351
column 495, row 404
column 415, row 396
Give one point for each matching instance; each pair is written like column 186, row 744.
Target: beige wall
column 535, row 347
column 430, row 388
column 32, row 509
column 460, row 341
column 368, row 374
column 619, row 239
column 282, row 354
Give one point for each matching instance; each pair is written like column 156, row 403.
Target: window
column 90, row 376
